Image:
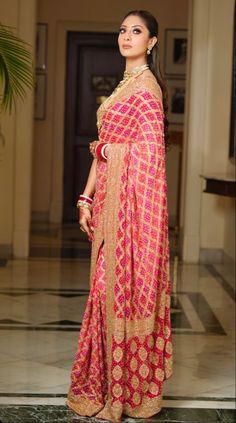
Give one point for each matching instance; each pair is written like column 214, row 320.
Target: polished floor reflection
column 42, row 301
column 59, row 414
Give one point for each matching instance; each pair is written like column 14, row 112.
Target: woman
column 125, row 349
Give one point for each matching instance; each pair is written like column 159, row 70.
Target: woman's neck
column 131, row 64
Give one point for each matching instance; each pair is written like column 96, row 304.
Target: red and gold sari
column 125, row 348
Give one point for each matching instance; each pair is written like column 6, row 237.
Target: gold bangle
column 84, row 204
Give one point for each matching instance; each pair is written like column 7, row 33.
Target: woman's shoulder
column 146, row 82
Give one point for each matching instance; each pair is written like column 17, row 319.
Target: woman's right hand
column 92, row 148
column 85, row 220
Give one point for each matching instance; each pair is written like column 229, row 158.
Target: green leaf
column 16, row 68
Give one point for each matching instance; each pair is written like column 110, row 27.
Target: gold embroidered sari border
column 148, row 408
column 85, row 406
column 115, row 164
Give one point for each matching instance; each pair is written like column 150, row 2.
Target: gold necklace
column 137, row 70
column 129, row 74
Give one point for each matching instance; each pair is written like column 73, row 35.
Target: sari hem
column 86, row 407
column 149, row 408
column 91, row 408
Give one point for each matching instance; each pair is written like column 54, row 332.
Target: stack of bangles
column 84, row 201
column 100, row 150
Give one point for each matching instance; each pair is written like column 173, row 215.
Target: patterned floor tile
column 60, row 414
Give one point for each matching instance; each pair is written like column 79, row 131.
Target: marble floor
column 42, row 301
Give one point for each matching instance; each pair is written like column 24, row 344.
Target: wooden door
column 94, row 68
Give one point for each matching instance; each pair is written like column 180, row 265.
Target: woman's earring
column 148, row 51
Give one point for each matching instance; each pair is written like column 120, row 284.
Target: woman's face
column 134, row 38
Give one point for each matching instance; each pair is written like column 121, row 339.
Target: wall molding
column 215, row 256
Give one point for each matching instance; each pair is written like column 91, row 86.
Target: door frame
column 62, row 28
column 76, row 137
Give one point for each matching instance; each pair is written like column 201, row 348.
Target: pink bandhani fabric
column 125, row 347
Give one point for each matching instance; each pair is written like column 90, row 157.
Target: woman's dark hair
column 154, row 62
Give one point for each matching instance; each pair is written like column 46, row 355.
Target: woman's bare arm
column 85, row 217
column 89, row 189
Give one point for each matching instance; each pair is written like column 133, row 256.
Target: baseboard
column 214, row 255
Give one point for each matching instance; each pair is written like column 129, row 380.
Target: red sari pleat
column 89, row 372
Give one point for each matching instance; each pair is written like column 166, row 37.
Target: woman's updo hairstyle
column 154, row 62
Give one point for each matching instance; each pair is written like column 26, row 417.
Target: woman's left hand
column 92, row 147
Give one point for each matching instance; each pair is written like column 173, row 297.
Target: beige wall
column 217, row 211
column 16, row 154
column 100, row 16
column 205, row 217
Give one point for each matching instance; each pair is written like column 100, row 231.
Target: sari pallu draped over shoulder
column 130, row 215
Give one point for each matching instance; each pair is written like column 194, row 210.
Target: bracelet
column 98, row 149
column 103, row 151
column 85, row 198
column 84, row 201
column 84, row 204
